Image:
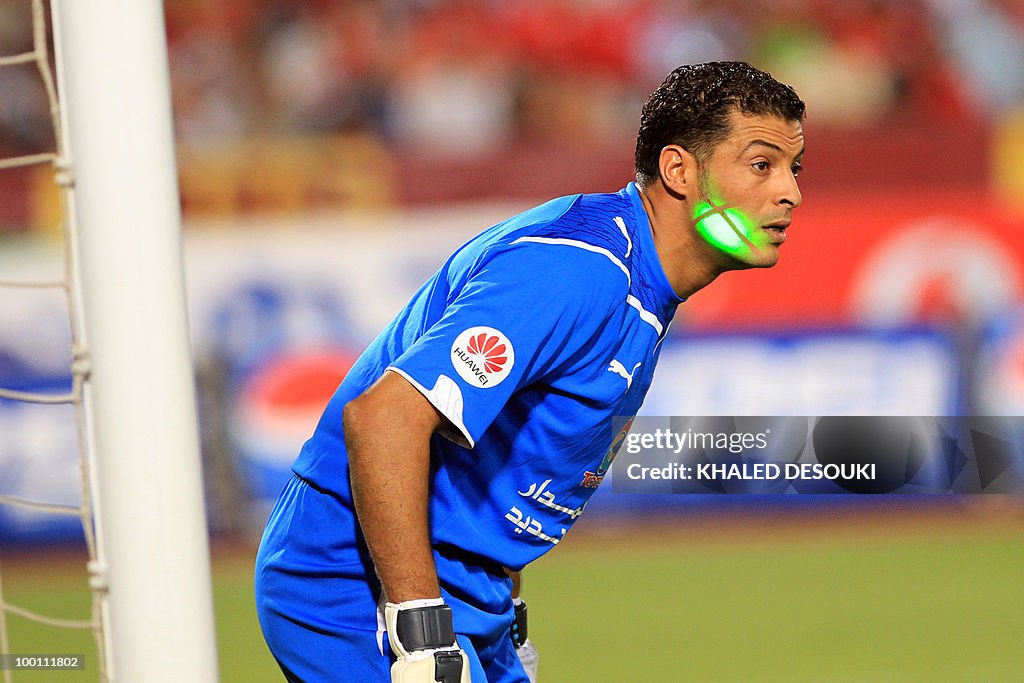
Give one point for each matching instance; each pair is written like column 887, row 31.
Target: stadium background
column 332, row 153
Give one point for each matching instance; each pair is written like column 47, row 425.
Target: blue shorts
column 318, row 599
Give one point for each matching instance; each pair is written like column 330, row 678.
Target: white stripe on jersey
column 580, row 245
column 622, row 226
column 645, row 315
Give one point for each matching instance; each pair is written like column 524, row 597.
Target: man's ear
column 678, row 170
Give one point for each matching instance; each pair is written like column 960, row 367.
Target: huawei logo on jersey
column 490, row 349
column 482, row 356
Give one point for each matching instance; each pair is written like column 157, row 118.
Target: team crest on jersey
column 591, row 480
column 483, row 356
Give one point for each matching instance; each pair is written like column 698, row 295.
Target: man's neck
column 689, row 262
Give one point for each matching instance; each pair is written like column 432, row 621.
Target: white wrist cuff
column 421, row 602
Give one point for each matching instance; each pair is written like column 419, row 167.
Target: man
column 467, row 439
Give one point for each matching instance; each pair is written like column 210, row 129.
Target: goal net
column 39, row 58
column 131, row 389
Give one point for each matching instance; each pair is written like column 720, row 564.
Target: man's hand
column 422, row 636
column 520, row 638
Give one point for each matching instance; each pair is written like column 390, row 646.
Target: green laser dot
column 727, row 229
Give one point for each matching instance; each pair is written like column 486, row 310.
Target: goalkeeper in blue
column 468, row 437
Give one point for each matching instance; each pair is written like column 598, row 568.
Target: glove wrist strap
column 425, row 628
column 518, row 631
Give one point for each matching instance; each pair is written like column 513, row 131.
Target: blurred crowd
column 457, row 77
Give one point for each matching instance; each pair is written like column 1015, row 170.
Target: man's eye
column 761, row 165
column 797, row 168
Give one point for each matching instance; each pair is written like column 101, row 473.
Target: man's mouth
column 777, row 231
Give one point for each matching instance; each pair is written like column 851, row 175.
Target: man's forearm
column 517, row 581
column 389, row 460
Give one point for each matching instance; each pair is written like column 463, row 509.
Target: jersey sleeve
column 526, row 311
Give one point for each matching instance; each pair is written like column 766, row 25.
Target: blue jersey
column 530, row 339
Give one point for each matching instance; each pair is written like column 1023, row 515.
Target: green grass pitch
column 744, row 601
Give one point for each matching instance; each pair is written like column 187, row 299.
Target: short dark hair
column 691, row 109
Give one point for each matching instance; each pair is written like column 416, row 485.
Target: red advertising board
column 876, row 258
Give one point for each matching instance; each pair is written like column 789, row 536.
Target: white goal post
column 113, row 78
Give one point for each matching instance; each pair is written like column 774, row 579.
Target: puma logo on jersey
column 620, row 370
